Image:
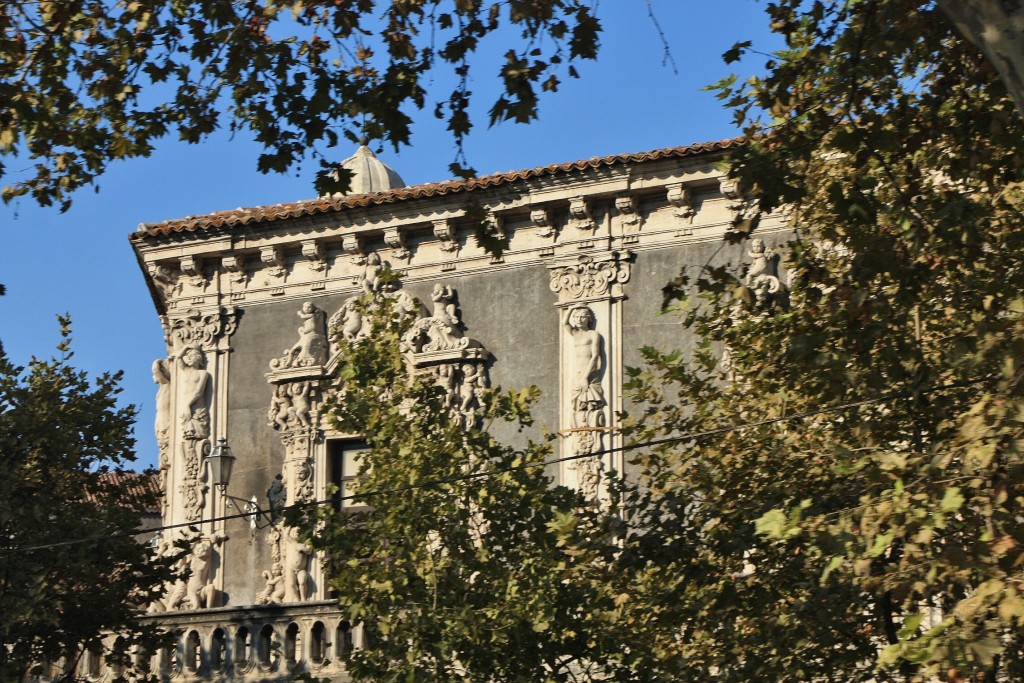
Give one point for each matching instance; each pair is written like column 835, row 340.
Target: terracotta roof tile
column 131, row 487
column 309, row 207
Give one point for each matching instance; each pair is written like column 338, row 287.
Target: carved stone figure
column 277, row 495
column 588, row 400
column 162, row 426
column 273, row 592
column 302, row 480
column 311, row 349
column 588, row 349
column 371, row 282
column 296, row 567
column 762, row 277
column 280, row 413
column 299, row 394
column 194, row 418
column 197, row 592
column 162, row 377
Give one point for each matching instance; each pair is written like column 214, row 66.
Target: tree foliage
column 60, row 437
column 878, row 541
column 877, row 537
column 86, row 82
column 465, row 561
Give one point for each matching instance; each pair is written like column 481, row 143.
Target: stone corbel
column 580, row 217
column 741, row 208
column 444, row 231
column 273, row 258
column 541, row 218
column 681, row 200
column 630, row 220
column 234, row 265
column 496, row 225
column 354, row 247
column 314, row 253
column 394, row 238
column 192, row 267
column 165, row 280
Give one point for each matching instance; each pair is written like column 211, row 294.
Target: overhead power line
column 502, row 470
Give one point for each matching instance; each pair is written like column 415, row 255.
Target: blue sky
column 80, row 261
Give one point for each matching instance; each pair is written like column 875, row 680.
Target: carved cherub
column 273, row 592
column 299, row 393
column 280, row 413
column 370, row 281
column 296, row 563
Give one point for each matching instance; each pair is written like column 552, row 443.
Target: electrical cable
column 492, row 472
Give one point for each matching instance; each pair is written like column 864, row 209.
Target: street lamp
column 219, row 463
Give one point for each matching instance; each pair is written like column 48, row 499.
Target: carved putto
column 311, row 348
column 763, row 276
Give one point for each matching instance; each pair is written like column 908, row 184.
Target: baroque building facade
column 252, row 299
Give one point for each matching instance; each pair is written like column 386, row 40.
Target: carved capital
column 590, row 279
column 203, row 330
column 314, row 253
column 541, row 218
column 444, row 231
column 580, row 217
column 273, row 258
column 395, row 238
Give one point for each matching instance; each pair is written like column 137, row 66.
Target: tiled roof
column 131, row 487
column 309, row 207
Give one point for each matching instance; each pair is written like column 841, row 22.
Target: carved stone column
column 191, row 405
column 589, row 293
column 191, row 413
column 294, row 412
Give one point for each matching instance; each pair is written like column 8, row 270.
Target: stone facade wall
column 566, row 308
